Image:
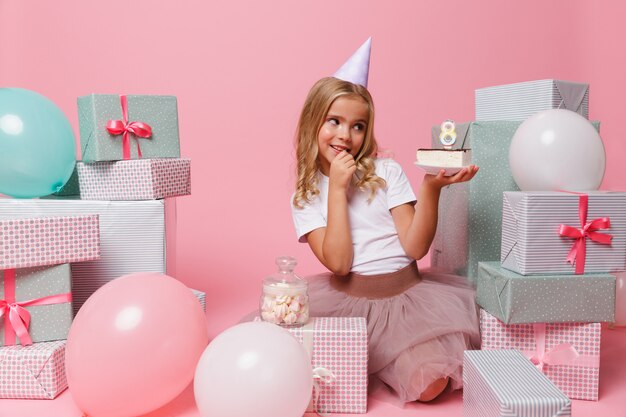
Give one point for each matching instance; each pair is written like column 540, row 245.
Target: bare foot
column 434, row 389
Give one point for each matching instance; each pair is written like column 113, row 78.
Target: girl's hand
column 341, row 170
column 440, row 180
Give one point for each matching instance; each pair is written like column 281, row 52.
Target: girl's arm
column 333, row 244
column 416, row 225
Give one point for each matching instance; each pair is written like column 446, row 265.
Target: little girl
column 363, row 222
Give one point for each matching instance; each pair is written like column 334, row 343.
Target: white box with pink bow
column 545, row 232
column 567, row 353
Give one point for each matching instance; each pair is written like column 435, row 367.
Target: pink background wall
column 241, row 70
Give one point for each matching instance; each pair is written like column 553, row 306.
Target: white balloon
column 557, row 150
column 254, row 369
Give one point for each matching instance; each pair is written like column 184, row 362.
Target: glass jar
column 285, row 300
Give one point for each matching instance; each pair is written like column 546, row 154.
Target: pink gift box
column 135, row 179
column 339, row 345
column 33, row 372
column 41, row 241
column 567, row 353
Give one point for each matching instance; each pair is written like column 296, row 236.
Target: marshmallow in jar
column 285, row 300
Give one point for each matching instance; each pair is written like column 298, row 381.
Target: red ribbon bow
column 124, row 128
column 578, row 252
column 16, row 317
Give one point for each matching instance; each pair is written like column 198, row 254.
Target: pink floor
column 612, row 395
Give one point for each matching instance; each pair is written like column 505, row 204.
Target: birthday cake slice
column 444, row 158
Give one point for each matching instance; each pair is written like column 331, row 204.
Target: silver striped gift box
column 521, row 100
column 531, row 243
column 503, row 383
column 201, row 296
column 135, row 236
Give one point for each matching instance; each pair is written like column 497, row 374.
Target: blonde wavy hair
column 316, row 106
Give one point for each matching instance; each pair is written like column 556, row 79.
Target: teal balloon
column 37, row 145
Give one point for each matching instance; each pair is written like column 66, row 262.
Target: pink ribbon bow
column 320, row 376
column 561, row 354
column 16, row 317
column 578, row 252
column 125, row 128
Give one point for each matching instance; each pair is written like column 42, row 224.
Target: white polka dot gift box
column 115, row 127
column 521, row 100
column 337, row 345
column 470, row 214
column 35, row 372
column 545, row 232
column 137, row 179
column 135, row 236
column 503, row 383
column 550, row 298
column 567, row 353
column 48, row 240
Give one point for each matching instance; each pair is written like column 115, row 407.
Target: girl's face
column 343, row 129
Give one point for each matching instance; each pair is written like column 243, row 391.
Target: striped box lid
column 505, row 383
column 519, row 101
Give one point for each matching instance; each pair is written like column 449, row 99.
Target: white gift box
column 135, row 236
column 135, row 179
column 503, row 383
column 201, row 296
column 521, row 100
column 33, row 372
column 534, row 241
column 567, row 353
column 338, row 345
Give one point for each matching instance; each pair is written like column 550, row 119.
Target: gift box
column 36, row 304
column 201, row 296
column 115, row 127
column 567, row 353
column 338, row 345
column 547, row 232
column 137, row 179
column 521, row 100
column 467, row 232
column 135, row 236
column 515, row 298
column 503, row 383
column 38, row 241
column 469, row 228
column 71, row 187
column 34, row 372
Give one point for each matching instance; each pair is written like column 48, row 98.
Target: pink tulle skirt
column 418, row 324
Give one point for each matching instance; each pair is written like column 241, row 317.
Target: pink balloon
column 134, row 345
column 620, row 298
column 254, row 369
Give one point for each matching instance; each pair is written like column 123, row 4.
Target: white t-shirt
column 376, row 246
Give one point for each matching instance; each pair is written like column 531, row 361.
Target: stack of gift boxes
column 36, row 299
column 115, row 213
column 541, row 261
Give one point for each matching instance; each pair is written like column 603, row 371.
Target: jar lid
column 285, row 279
